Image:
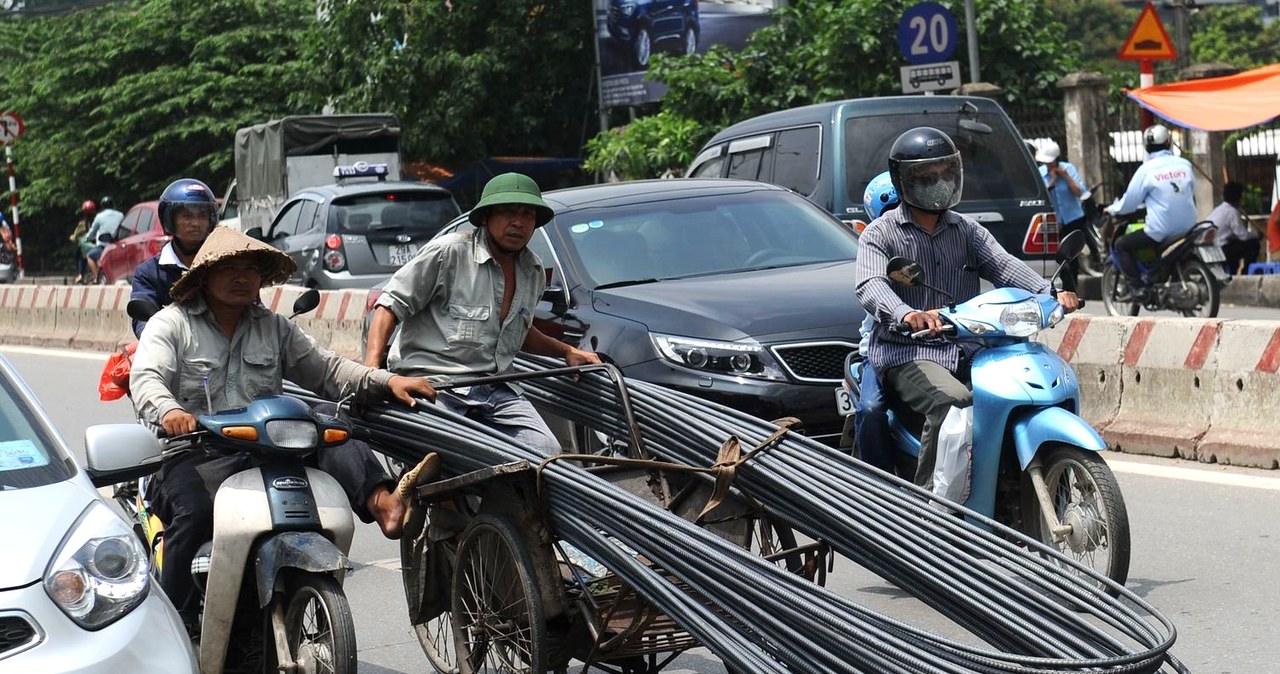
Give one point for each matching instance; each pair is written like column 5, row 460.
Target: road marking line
column 100, row 356
column 391, row 564
column 1195, row 475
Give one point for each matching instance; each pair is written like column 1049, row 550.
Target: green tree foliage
column 468, row 78
column 1099, row 28
column 124, row 98
column 1234, row 34
column 819, row 51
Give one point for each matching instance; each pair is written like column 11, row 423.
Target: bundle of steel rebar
column 763, row 618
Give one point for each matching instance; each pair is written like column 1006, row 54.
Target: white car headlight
column 100, row 572
column 1022, row 319
column 741, row 359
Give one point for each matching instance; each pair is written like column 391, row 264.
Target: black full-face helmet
column 106, row 202
column 186, row 193
column 925, row 167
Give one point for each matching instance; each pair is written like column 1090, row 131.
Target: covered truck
column 275, row 159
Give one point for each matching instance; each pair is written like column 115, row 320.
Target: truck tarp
column 260, row 171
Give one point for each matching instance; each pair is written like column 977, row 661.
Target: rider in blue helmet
column 188, row 213
column 871, row 441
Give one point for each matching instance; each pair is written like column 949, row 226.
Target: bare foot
column 388, row 511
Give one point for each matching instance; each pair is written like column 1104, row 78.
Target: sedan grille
column 16, row 633
column 815, row 361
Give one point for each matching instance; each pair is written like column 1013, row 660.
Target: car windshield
column 28, row 457
column 411, row 211
column 696, row 236
column 993, row 155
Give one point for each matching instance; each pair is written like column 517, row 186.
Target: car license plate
column 844, row 403
column 401, row 253
column 1210, row 254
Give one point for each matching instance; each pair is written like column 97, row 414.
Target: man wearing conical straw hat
column 218, row 348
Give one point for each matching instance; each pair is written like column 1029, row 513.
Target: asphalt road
column 1205, row 543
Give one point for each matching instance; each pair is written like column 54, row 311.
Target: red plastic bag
column 114, row 383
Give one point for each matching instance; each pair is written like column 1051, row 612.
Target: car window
column 703, row 235
column 747, row 165
column 710, row 169
column 307, row 216
column 287, row 223
column 418, row 212
column 130, row 222
column 992, row 154
column 28, row 457
column 795, row 162
column 145, row 221
column 542, row 248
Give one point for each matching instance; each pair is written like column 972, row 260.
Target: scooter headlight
column 1022, row 319
column 1056, row 316
column 293, row 433
column 100, row 572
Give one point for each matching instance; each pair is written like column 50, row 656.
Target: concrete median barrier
column 1166, row 393
column 1243, row 429
column 1095, row 348
column 11, row 297
column 68, row 321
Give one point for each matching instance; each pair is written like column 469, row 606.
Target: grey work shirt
column 956, row 242
column 182, row 345
column 448, row 300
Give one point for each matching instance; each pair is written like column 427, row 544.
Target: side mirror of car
column 255, row 232
column 554, row 295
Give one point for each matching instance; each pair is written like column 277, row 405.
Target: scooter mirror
column 904, row 271
column 141, row 310
column 306, row 302
column 1070, row 246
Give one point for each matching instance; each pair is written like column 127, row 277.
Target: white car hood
column 34, row 523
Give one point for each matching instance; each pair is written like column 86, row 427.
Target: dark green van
column 830, row 151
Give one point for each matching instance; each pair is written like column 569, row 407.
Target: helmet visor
column 932, row 184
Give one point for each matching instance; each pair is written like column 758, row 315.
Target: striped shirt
column 956, row 242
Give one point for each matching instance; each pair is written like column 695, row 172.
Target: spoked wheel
column 319, row 628
column 1113, row 284
column 436, row 637
column 1087, row 498
column 1200, row 284
column 771, row 539
column 497, row 604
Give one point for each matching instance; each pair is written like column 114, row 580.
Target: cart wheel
column 497, row 604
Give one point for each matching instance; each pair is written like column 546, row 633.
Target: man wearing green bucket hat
column 465, row 308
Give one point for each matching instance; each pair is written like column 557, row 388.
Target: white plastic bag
column 952, row 469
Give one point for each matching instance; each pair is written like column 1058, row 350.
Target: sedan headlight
column 741, row 359
column 100, row 571
column 1022, row 319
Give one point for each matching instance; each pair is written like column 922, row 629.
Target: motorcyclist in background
column 80, row 238
column 106, row 221
column 871, row 439
column 1166, row 183
column 188, row 213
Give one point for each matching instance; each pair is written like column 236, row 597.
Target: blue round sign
column 927, row 33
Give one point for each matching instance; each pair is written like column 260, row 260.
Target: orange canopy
column 1217, row 103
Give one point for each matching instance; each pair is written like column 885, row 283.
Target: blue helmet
column 186, row 193
column 880, row 196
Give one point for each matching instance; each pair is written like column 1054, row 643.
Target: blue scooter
column 1035, row 463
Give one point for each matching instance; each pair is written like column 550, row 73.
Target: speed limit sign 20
column 11, row 127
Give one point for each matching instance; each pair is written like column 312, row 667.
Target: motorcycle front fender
column 302, row 550
column 1033, row 428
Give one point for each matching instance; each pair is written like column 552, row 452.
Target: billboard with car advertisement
column 630, row 32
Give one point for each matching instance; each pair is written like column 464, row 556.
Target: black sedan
column 736, row 291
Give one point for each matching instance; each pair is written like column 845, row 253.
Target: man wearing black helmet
column 188, row 213
column 928, row 377
column 106, row 222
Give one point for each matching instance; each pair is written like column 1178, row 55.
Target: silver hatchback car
column 357, row 234
column 76, row 593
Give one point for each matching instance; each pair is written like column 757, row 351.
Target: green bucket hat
column 510, row 188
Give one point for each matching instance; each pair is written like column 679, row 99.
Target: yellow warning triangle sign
column 1147, row 40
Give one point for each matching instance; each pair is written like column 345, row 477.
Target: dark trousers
column 1127, row 248
column 1071, row 276
column 1241, row 254
column 182, row 496
column 929, row 390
